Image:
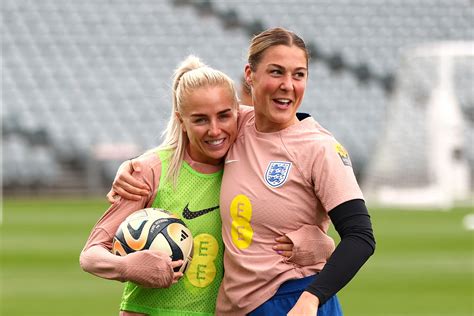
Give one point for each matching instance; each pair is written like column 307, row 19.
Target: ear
column 180, row 119
column 248, row 75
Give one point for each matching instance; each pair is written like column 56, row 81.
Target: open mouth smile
column 283, row 103
column 215, row 142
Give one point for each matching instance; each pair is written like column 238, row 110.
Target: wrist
column 310, row 299
column 121, row 268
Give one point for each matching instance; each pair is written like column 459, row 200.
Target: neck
column 202, row 166
column 266, row 126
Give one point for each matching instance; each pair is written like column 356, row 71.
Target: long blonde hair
column 190, row 75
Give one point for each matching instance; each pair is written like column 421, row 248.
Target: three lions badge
column 277, row 173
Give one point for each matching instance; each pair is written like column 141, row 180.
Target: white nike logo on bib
column 230, row 161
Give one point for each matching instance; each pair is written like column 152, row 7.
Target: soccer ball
column 155, row 229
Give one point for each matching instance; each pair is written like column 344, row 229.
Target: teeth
column 215, row 142
column 283, row 100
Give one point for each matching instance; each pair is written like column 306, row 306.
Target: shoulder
column 244, row 109
column 150, row 166
column 311, row 133
column 317, row 143
column 150, row 159
column 245, row 114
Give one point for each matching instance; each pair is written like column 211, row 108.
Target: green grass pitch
column 423, row 265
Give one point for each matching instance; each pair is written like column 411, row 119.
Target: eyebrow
column 218, row 113
column 281, row 67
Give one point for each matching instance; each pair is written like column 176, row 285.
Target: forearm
column 99, row 261
column 147, row 268
column 357, row 244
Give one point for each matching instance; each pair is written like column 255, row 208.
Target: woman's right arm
column 147, row 268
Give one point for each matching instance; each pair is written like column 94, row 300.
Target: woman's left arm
column 352, row 222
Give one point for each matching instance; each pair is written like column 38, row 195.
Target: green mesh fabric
column 196, row 292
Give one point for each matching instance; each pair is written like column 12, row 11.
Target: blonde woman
column 185, row 170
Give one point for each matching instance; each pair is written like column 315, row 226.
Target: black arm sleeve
column 352, row 221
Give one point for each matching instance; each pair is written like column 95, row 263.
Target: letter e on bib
column 277, row 173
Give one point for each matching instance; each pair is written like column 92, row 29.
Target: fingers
column 135, row 165
column 111, row 196
column 126, row 179
column 284, row 253
column 283, row 239
column 284, row 246
column 177, row 263
column 128, row 190
column 126, row 175
column 127, row 185
column 177, row 275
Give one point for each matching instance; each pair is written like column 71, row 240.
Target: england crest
column 277, row 173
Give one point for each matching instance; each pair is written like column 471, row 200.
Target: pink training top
column 104, row 230
column 277, row 183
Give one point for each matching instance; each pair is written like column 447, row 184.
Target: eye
column 199, row 120
column 300, row 75
column 225, row 116
column 276, row 72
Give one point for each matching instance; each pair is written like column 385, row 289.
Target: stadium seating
column 97, row 73
column 27, row 165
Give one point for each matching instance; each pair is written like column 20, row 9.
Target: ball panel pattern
column 155, row 229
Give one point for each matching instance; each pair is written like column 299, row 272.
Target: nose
column 287, row 83
column 214, row 129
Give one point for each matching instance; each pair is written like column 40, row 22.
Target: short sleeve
column 333, row 176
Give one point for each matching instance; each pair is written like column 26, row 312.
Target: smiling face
column 278, row 85
column 209, row 119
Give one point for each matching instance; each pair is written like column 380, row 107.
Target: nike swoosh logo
column 191, row 215
column 229, row 161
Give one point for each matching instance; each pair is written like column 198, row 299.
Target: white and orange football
column 155, row 229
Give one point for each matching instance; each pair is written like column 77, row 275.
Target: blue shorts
column 287, row 295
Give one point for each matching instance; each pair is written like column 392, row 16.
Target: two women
column 285, row 177
column 183, row 175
